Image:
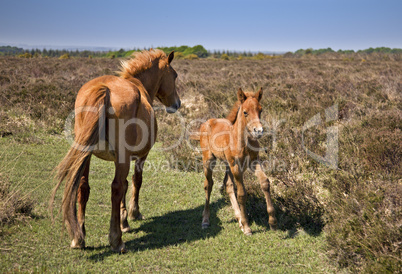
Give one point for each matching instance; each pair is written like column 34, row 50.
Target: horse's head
column 167, row 93
column 251, row 112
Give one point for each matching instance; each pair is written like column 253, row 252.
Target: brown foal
column 234, row 141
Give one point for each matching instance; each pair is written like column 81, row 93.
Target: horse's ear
column 241, row 96
column 170, row 57
column 258, row 95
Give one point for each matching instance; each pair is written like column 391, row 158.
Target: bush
column 191, row 57
column 25, row 55
column 364, row 229
column 225, row 56
column 13, row 204
column 65, row 56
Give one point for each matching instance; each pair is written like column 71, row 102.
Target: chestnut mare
column 115, row 121
column 234, row 141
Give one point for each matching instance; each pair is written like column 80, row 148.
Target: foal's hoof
column 273, row 226
column 125, row 229
column 77, row 244
column 247, row 232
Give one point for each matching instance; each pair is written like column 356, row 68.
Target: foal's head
column 251, row 112
column 167, row 93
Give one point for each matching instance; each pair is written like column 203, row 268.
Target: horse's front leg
column 236, row 175
column 134, row 209
column 265, row 186
column 228, row 184
column 208, row 184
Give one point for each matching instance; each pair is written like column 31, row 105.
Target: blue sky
column 282, row 25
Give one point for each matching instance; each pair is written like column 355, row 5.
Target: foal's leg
column 265, row 186
column 118, row 191
column 237, row 177
column 208, row 183
column 228, row 182
column 82, row 198
column 134, row 209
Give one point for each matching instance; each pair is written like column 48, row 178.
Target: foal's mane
column 139, row 62
column 232, row 116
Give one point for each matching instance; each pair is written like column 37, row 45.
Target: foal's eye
column 245, row 113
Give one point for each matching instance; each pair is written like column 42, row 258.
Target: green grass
column 169, row 239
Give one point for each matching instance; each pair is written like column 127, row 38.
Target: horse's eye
column 245, row 113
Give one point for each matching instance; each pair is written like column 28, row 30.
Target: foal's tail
column 71, row 168
column 195, row 135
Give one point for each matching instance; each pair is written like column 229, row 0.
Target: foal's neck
column 239, row 127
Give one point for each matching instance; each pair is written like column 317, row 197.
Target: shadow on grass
column 291, row 215
column 170, row 229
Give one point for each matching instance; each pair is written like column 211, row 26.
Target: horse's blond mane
column 139, row 62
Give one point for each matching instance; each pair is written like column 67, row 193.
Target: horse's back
column 215, row 136
column 124, row 96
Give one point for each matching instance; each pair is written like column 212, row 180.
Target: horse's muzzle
column 173, row 108
column 257, row 132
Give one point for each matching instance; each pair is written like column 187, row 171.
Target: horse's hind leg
column 265, row 186
column 134, row 209
column 82, row 198
column 123, row 210
column 208, row 183
column 118, row 191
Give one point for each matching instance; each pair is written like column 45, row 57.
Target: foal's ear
column 170, row 57
column 241, row 96
column 258, row 95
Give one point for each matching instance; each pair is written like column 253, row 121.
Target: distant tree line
column 187, row 52
column 329, row 50
column 15, row 51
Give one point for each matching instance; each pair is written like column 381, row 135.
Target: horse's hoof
column 121, row 249
column 125, row 229
column 248, row 233
column 205, row 225
column 273, row 227
column 77, row 244
column 137, row 217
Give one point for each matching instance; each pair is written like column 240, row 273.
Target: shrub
column 13, row 204
column 364, row 229
column 25, row 55
column 191, row 57
column 225, row 56
column 65, row 56
column 259, row 56
column 178, row 55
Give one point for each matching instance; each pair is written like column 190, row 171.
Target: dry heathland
column 358, row 204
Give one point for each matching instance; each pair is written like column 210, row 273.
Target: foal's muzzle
column 257, row 132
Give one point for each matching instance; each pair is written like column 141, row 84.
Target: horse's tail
column 71, row 168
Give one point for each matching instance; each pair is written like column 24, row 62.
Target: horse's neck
column 238, row 132
column 150, row 80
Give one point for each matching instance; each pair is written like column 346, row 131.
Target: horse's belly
column 104, row 152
